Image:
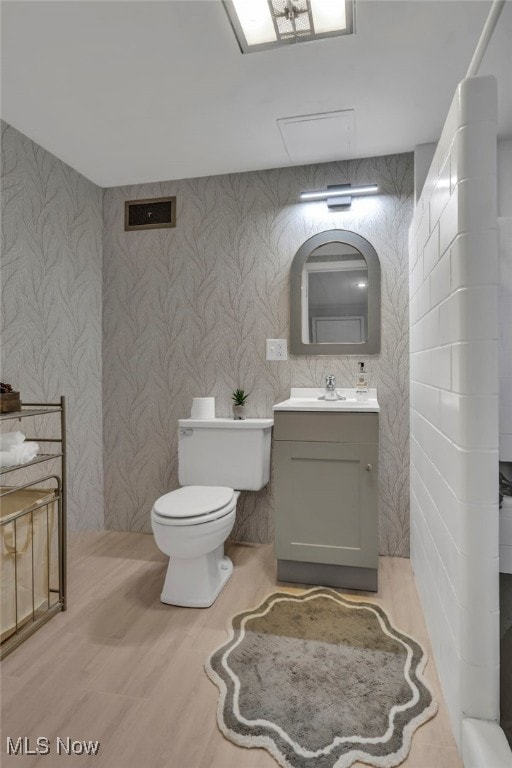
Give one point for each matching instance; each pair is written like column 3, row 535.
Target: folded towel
column 10, row 439
column 19, row 454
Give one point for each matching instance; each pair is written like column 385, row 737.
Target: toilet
column 217, row 458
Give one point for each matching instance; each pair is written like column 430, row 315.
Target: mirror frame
column 372, row 344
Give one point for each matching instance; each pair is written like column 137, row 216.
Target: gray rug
column 320, row 682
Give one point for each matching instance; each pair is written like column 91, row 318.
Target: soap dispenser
column 362, row 382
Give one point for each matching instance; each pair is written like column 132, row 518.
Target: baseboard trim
column 484, row 745
column 327, row 575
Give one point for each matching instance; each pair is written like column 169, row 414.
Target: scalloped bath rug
column 320, row 682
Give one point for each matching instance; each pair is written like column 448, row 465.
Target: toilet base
column 196, row 582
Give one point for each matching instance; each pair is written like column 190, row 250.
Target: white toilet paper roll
column 203, row 408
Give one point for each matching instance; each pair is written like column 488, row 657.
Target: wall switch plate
column 277, row 349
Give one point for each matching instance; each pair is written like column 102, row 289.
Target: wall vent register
column 155, row 213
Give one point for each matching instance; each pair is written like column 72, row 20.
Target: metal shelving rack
column 27, row 628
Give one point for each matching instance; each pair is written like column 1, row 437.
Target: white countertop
column 307, row 399
column 221, row 423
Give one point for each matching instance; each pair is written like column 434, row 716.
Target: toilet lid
column 193, row 500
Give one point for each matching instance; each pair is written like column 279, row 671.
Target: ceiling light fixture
column 339, row 195
column 262, row 24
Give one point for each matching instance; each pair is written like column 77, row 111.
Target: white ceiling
column 129, row 92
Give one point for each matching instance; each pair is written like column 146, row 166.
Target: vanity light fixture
column 262, row 24
column 339, row 195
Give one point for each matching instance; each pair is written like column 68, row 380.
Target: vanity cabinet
column 325, row 487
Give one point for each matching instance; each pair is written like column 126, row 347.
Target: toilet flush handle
column 187, row 431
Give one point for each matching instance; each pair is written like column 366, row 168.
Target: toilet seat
column 194, row 504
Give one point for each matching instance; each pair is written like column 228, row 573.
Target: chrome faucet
column 330, row 387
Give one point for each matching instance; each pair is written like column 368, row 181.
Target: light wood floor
column 122, row 668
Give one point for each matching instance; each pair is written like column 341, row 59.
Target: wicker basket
column 10, row 401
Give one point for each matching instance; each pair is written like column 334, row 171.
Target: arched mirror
column 335, row 296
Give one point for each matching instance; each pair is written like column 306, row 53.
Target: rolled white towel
column 19, row 454
column 9, row 439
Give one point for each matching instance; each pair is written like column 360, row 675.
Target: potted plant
column 239, row 397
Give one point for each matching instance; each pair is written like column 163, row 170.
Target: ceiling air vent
column 320, row 137
column 157, row 213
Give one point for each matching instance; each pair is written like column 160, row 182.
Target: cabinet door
column 326, row 502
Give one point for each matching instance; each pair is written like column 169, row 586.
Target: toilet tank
column 225, row 452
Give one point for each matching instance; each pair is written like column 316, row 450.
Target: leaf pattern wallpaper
column 51, row 306
column 186, row 312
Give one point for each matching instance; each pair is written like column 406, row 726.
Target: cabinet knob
column 369, row 467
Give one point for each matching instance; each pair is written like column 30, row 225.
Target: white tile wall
column 440, row 280
column 472, row 421
column 454, row 403
column 475, row 367
column 468, row 262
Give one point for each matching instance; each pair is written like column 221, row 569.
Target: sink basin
column 312, row 399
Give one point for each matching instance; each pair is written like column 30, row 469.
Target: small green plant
column 239, row 396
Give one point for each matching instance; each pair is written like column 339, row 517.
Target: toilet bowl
column 191, row 524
